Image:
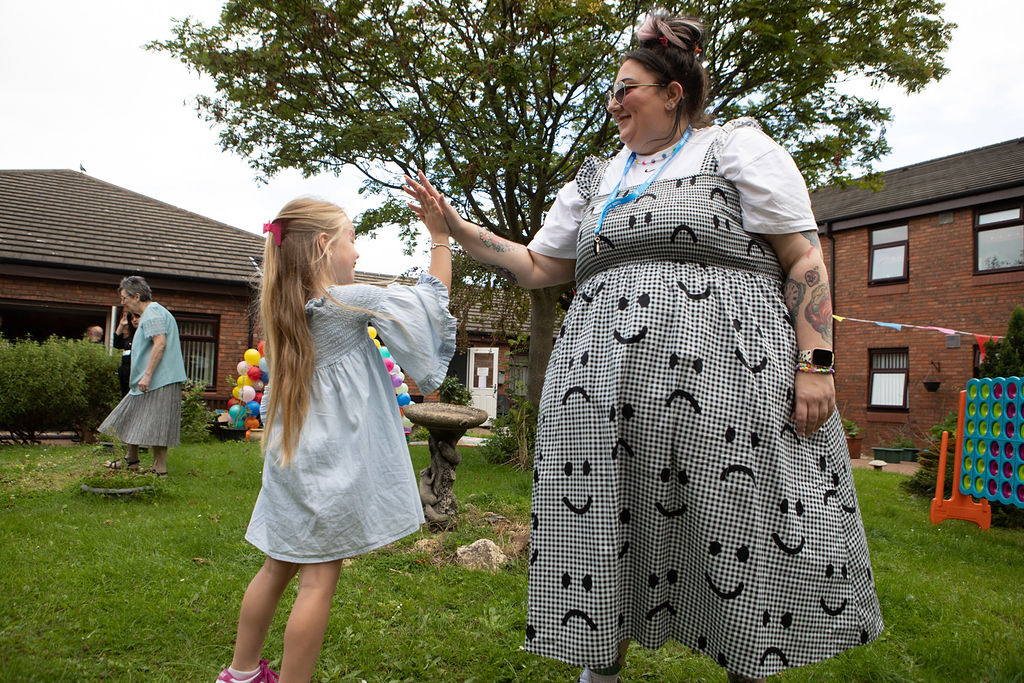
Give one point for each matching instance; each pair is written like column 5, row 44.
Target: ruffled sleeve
column 418, row 329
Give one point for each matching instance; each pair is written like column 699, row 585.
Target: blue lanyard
column 614, row 200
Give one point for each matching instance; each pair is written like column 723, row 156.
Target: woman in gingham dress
column 691, row 476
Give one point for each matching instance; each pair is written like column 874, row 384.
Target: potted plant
column 854, row 438
column 909, row 450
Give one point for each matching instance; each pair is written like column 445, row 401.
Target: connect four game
column 992, row 449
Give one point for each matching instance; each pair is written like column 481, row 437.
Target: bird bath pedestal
column 446, row 424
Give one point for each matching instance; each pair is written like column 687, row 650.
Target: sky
column 77, row 89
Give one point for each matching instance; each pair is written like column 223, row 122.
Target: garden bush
column 513, row 435
column 454, row 391
column 196, row 418
column 58, row 384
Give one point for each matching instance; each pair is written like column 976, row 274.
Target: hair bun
column 660, row 27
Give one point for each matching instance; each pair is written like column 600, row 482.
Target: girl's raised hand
column 432, row 208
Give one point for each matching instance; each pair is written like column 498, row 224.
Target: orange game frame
column 957, row 506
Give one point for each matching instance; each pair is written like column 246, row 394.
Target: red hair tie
column 663, row 40
column 274, row 229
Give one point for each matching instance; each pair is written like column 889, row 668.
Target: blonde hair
column 294, row 271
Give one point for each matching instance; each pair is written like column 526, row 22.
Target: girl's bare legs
column 304, row 633
column 257, row 611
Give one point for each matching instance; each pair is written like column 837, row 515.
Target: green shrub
column 196, row 418
column 513, row 435
column 454, row 391
column 59, row 384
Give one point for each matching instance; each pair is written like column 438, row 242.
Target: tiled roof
column 973, row 172
column 65, row 218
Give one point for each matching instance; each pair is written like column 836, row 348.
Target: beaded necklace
column 614, row 200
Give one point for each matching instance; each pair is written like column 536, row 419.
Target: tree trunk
column 542, row 335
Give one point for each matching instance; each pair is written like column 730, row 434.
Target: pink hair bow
column 275, row 230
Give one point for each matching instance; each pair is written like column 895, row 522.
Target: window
column 889, row 254
column 888, row 380
column 999, row 240
column 199, row 348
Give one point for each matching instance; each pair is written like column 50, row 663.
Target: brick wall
column 941, row 290
column 84, row 289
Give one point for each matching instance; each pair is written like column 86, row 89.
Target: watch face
column 822, row 357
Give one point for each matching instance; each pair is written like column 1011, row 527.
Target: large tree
column 499, row 101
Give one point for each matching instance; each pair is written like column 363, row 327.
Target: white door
column 482, row 377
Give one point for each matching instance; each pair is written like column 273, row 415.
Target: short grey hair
column 134, row 284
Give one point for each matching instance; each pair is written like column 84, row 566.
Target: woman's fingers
column 814, row 402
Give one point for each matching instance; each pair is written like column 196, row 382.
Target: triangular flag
column 895, row 326
column 981, row 339
column 840, row 318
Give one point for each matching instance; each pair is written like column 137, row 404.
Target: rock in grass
column 482, row 554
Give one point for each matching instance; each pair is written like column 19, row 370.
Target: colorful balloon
column 388, row 363
column 403, row 388
column 372, row 331
column 255, row 373
column 236, row 391
column 264, row 365
column 252, row 357
column 246, row 394
column 396, row 381
column 259, row 348
column 384, row 353
column 243, row 368
column 234, row 411
column 404, row 399
column 258, row 385
column 253, row 407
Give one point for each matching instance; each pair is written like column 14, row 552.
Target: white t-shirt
column 773, row 195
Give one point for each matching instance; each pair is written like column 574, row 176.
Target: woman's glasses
column 619, row 90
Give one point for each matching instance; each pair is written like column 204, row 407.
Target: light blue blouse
column 156, row 320
column 350, row 486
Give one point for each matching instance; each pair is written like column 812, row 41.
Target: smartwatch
column 823, row 358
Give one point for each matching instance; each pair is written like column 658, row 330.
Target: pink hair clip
column 663, row 40
column 275, row 230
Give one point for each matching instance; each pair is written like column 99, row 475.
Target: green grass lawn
column 147, row 589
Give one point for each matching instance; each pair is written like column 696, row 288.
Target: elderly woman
column 691, row 476
column 151, row 411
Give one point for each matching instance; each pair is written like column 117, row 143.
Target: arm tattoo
column 812, row 277
column 492, row 241
column 819, row 311
column 794, row 293
column 812, row 237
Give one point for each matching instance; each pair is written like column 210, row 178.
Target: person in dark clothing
column 123, row 336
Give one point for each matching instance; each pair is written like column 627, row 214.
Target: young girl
column 337, row 480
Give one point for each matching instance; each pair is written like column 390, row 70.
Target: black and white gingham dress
column 672, row 497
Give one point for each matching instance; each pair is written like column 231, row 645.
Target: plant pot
column 854, row 444
column 931, row 385
column 887, row 454
column 909, row 455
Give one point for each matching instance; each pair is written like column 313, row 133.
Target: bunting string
column 980, row 338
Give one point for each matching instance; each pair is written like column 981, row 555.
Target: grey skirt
column 149, row 419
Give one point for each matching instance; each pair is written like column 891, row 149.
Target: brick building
column 67, row 239
column 941, row 245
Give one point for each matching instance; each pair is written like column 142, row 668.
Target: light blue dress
column 350, row 486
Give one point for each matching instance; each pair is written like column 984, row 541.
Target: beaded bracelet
column 435, row 245
column 817, row 369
